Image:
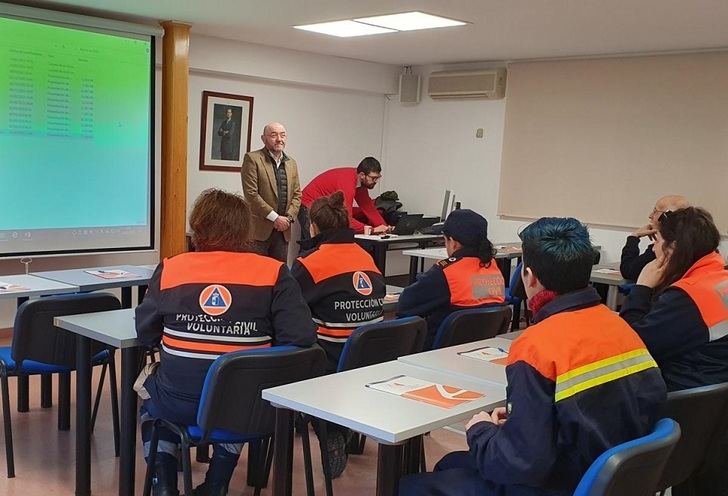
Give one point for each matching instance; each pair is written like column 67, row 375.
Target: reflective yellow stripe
column 601, row 372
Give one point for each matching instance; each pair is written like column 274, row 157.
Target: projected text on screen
column 74, row 139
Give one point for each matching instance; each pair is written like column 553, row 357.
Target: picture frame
column 225, row 131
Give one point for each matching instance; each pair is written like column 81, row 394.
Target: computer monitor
column 448, row 205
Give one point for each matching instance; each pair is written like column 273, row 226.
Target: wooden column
column 175, row 95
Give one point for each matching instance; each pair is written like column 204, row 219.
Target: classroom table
column 28, row 286
column 609, row 274
column 388, row 419
column 378, row 245
column 505, row 253
column 449, row 360
column 89, row 282
column 115, row 328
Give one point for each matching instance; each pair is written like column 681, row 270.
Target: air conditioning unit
column 490, row 84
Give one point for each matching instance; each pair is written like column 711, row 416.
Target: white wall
column 333, row 109
column 431, row 146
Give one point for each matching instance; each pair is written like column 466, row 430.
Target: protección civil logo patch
column 362, row 283
column 215, row 300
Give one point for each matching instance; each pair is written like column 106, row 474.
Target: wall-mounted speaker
column 409, row 88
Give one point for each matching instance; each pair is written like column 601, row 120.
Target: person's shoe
column 206, row 489
column 164, row 482
column 336, row 448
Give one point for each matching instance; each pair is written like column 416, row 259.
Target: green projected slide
column 74, row 130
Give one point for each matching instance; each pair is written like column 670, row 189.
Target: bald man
column 272, row 189
column 632, row 262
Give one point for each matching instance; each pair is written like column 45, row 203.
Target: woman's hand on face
column 651, row 275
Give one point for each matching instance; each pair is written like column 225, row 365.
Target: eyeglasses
column 276, row 135
column 374, row 178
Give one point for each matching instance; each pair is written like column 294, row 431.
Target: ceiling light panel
column 345, row 29
column 410, row 21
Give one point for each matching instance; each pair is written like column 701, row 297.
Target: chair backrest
column 381, row 342
column 701, row 413
column 632, row 468
column 36, row 338
column 473, row 324
column 516, row 278
column 231, row 395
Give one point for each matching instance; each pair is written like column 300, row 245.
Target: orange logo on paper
column 362, row 283
column 215, row 299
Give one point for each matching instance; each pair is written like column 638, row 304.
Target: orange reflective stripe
column 334, row 333
column 570, row 340
column 706, row 283
column 472, row 285
column 333, row 259
column 220, row 267
column 209, row 347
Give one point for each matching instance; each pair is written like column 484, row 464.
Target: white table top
column 30, row 285
column 115, row 327
column 448, row 360
column 344, row 399
column 504, row 250
column 151, row 267
column 397, row 238
column 90, row 282
column 612, row 278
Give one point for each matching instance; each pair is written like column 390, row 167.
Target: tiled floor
column 44, row 456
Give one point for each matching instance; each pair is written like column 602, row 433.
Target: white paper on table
column 111, row 273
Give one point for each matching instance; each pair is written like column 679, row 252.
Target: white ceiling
column 499, row 29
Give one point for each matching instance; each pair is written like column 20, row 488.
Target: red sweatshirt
column 344, row 179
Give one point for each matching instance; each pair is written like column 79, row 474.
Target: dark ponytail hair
column 328, row 212
column 691, row 234
column 486, row 251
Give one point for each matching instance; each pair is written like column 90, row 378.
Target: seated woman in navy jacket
column 469, row 278
column 339, row 280
column 201, row 305
column 679, row 307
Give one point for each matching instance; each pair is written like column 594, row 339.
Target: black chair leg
column 268, row 461
column 186, row 465
column 97, row 401
column 151, row 461
column 46, row 390
column 114, row 403
column 516, row 321
column 254, row 448
column 306, row 447
column 323, row 444
column 8, row 428
column 23, row 393
column 262, row 469
column 64, row 401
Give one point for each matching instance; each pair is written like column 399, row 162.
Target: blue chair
column 633, row 468
column 232, row 409
column 473, row 324
column 40, row 348
column 512, row 298
column 368, row 345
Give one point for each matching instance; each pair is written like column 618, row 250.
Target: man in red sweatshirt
column 354, row 183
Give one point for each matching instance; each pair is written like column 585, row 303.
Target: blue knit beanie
column 466, row 226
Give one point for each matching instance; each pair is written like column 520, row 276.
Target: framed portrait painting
column 225, row 131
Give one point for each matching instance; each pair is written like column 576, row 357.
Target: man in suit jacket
column 226, row 132
column 272, row 189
